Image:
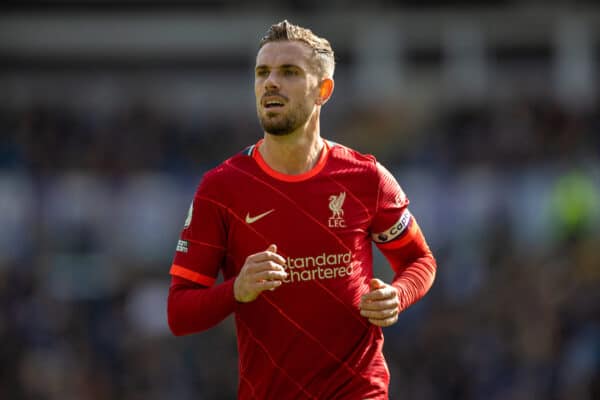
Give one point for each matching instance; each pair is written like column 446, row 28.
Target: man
column 289, row 223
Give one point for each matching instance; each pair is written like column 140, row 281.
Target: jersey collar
column 290, row 178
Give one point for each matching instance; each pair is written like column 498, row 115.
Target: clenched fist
column 380, row 305
column 261, row 271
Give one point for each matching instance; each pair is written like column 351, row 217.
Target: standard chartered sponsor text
column 323, row 266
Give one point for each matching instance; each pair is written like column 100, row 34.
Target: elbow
column 177, row 332
column 432, row 266
column 174, row 327
column 431, row 263
column 173, row 319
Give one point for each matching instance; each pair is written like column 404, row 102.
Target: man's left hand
column 380, row 305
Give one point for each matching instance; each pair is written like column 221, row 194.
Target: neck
column 295, row 153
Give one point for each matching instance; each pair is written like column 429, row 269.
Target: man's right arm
column 196, row 303
column 193, row 308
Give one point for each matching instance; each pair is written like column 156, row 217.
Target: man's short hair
column 322, row 51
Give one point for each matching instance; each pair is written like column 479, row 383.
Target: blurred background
column 487, row 113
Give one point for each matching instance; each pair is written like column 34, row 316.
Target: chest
column 302, row 218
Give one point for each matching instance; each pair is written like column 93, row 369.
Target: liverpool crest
column 335, row 205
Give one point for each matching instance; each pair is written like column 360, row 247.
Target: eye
column 262, row 73
column 290, row 71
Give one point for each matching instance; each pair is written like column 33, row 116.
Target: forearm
column 414, row 266
column 193, row 308
column 414, row 280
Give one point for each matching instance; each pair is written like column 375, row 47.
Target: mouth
column 273, row 102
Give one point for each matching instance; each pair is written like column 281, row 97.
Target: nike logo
column 251, row 220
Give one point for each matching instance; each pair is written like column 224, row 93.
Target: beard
column 281, row 124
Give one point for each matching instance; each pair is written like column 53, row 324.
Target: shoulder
column 351, row 157
column 224, row 175
column 363, row 164
column 348, row 161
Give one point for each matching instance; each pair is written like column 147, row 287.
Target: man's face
column 286, row 86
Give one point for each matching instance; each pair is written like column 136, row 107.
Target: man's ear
column 325, row 91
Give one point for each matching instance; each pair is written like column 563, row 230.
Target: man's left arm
column 415, row 269
column 397, row 235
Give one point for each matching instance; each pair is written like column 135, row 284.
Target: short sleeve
column 201, row 246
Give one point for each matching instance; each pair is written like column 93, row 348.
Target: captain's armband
column 396, row 230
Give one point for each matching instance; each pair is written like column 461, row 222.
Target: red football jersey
column 306, row 339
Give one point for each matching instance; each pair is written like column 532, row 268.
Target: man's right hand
column 261, row 271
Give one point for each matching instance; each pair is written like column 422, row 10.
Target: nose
column 271, row 83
